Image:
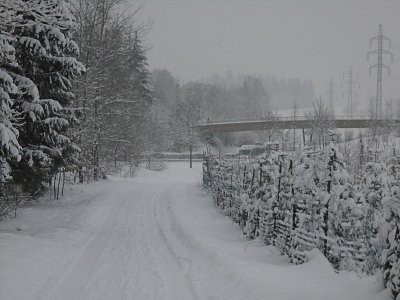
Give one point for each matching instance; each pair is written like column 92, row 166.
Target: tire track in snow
column 130, row 244
column 118, row 249
column 140, row 250
column 78, row 272
column 167, row 228
column 137, row 284
column 179, row 285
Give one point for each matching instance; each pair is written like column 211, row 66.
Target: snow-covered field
column 156, row 236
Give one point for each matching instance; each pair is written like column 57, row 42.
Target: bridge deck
column 292, row 124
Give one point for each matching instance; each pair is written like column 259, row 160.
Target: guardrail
column 297, row 118
column 291, row 123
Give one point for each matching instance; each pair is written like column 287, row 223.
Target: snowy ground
column 156, row 236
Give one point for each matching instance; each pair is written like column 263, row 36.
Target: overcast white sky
column 309, row 39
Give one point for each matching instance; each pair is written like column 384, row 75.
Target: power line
column 380, row 38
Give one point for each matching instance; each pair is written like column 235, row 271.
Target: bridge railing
column 292, row 118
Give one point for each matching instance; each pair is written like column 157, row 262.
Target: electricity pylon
column 350, row 80
column 332, row 90
column 331, row 100
column 380, row 38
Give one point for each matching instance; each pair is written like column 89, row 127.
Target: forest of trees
column 77, row 96
column 75, row 91
column 228, row 97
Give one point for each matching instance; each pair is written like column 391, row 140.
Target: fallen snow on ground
column 156, row 236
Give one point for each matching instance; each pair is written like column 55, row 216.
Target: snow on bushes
column 390, row 234
column 312, row 203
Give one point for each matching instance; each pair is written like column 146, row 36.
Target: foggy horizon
column 309, row 40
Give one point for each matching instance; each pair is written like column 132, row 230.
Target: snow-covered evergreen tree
column 375, row 185
column 38, row 54
column 284, row 202
column 319, row 184
column 390, row 234
column 9, row 146
column 141, row 78
column 309, row 186
column 140, row 95
column 46, row 54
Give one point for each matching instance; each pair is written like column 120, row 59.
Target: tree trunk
column 190, row 155
column 54, row 186
column 62, row 190
column 58, row 185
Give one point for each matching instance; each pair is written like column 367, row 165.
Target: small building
column 251, row 150
column 271, row 147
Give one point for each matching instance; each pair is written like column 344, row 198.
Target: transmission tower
column 332, row 90
column 331, row 93
column 350, row 81
column 380, row 38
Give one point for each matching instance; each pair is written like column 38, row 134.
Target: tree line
column 75, row 91
column 220, row 98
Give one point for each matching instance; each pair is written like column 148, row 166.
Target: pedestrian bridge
column 295, row 123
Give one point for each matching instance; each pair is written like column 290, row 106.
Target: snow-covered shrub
column 375, row 186
column 390, row 236
column 305, row 204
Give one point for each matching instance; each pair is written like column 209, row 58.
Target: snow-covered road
column 156, row 236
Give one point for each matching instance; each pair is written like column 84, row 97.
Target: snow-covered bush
column 375, row 185
column 390, row 237
column 305, row 204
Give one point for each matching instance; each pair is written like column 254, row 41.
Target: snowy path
column 156, row 236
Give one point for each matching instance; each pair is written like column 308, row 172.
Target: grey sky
column 299, row 38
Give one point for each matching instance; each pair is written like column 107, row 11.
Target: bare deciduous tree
column 322, row 122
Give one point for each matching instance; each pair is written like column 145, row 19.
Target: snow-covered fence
column 297, row 206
